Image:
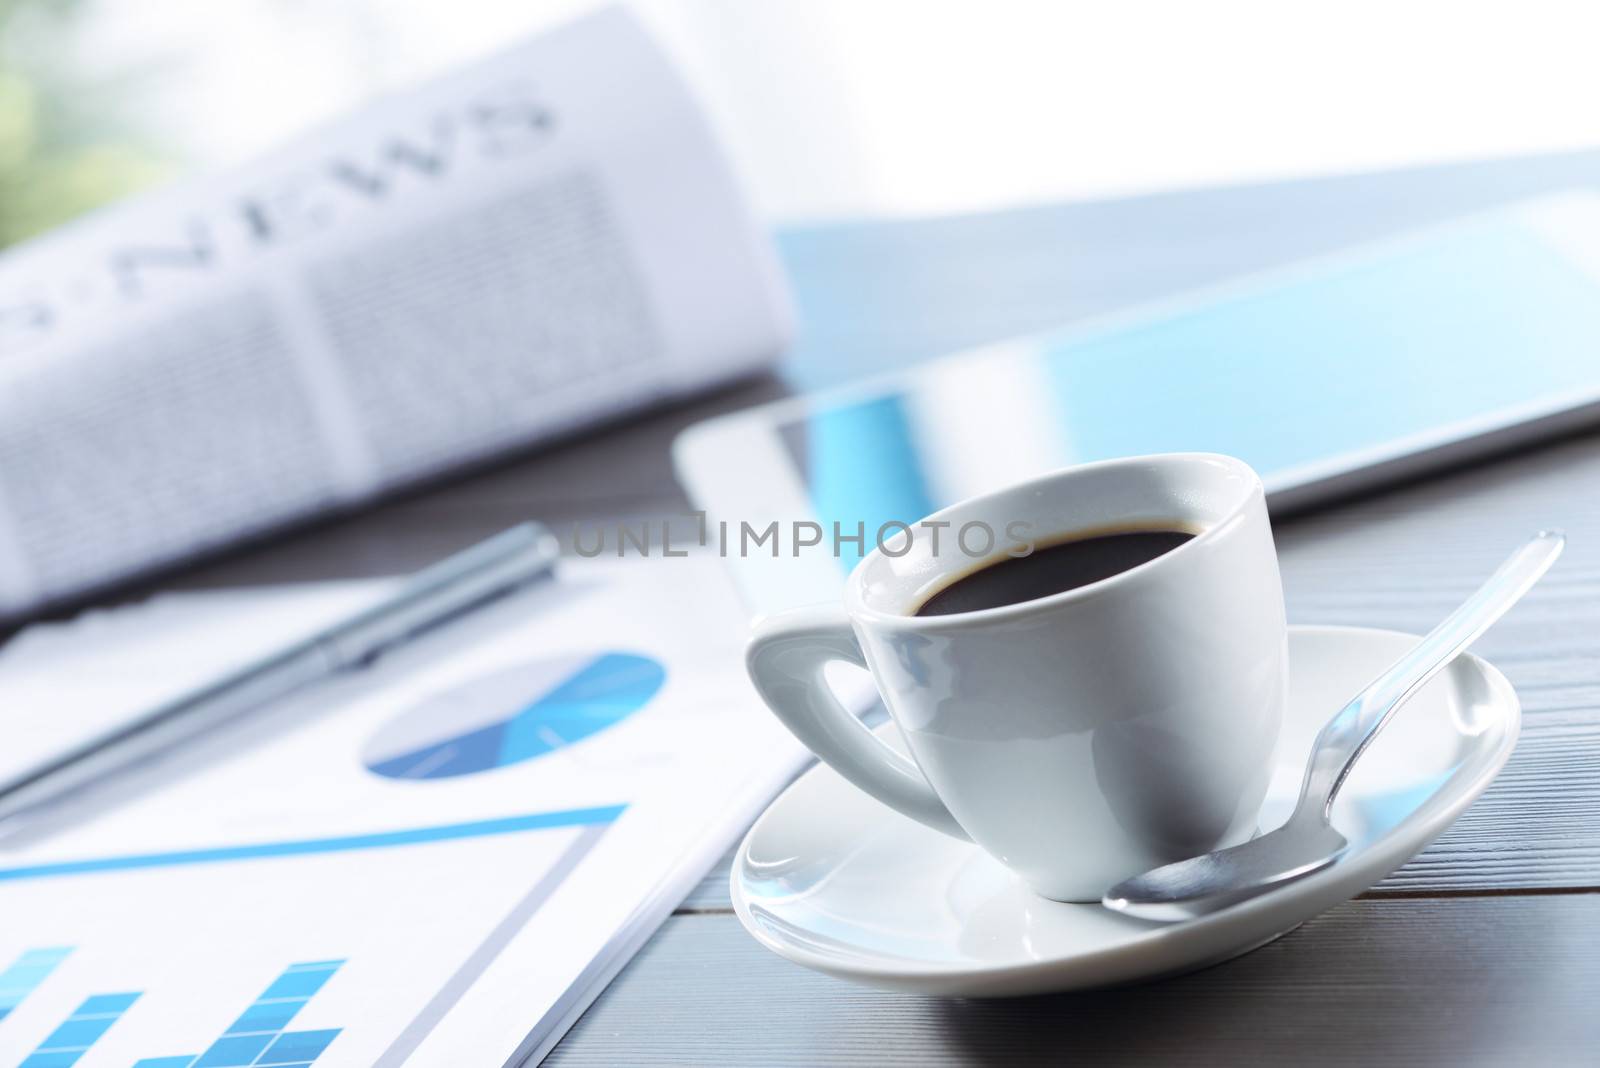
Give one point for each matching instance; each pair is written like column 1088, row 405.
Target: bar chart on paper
column 220, row 959
column 259, row 1035
column 26, row 973
column 370, row 879
column 215, row 954
column 92, row 1018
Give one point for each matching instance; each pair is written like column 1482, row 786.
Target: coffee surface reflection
column 1053, row 569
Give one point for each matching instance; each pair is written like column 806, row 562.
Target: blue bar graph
column 90, row 1020
column 26, row 973
column 260, row 1035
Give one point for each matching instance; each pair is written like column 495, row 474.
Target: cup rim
column 857, row 607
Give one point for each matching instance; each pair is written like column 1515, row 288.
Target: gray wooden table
column 1485, row 949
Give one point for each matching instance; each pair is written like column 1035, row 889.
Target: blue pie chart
column 513, row 715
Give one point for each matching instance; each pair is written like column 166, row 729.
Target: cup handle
column 785, row 658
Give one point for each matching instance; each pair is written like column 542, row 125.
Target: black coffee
column 1052, row 569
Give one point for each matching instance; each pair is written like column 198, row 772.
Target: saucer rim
column 1127, row 962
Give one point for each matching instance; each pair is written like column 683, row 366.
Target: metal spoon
column 1308, row 843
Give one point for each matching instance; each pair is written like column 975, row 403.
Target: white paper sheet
column 63, row 682
column 475, row 831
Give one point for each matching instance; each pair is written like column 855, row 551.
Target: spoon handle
column 1345, row 737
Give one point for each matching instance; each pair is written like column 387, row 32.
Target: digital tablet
column 1328, row 377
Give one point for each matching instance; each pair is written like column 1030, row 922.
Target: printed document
column 436, row 861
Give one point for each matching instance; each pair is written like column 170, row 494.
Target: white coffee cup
column 1081, row 737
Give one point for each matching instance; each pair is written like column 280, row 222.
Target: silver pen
column 433, row 596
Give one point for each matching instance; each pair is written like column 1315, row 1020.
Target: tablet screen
column 1340, row 363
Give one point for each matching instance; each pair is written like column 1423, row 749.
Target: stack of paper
column 438, row 861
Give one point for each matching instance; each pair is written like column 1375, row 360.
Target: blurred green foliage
column 67, row 143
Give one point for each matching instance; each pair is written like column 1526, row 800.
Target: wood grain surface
column 1478, row 981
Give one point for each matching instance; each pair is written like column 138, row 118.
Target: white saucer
column 833, row 880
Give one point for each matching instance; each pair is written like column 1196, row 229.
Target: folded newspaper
column 549, row 238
